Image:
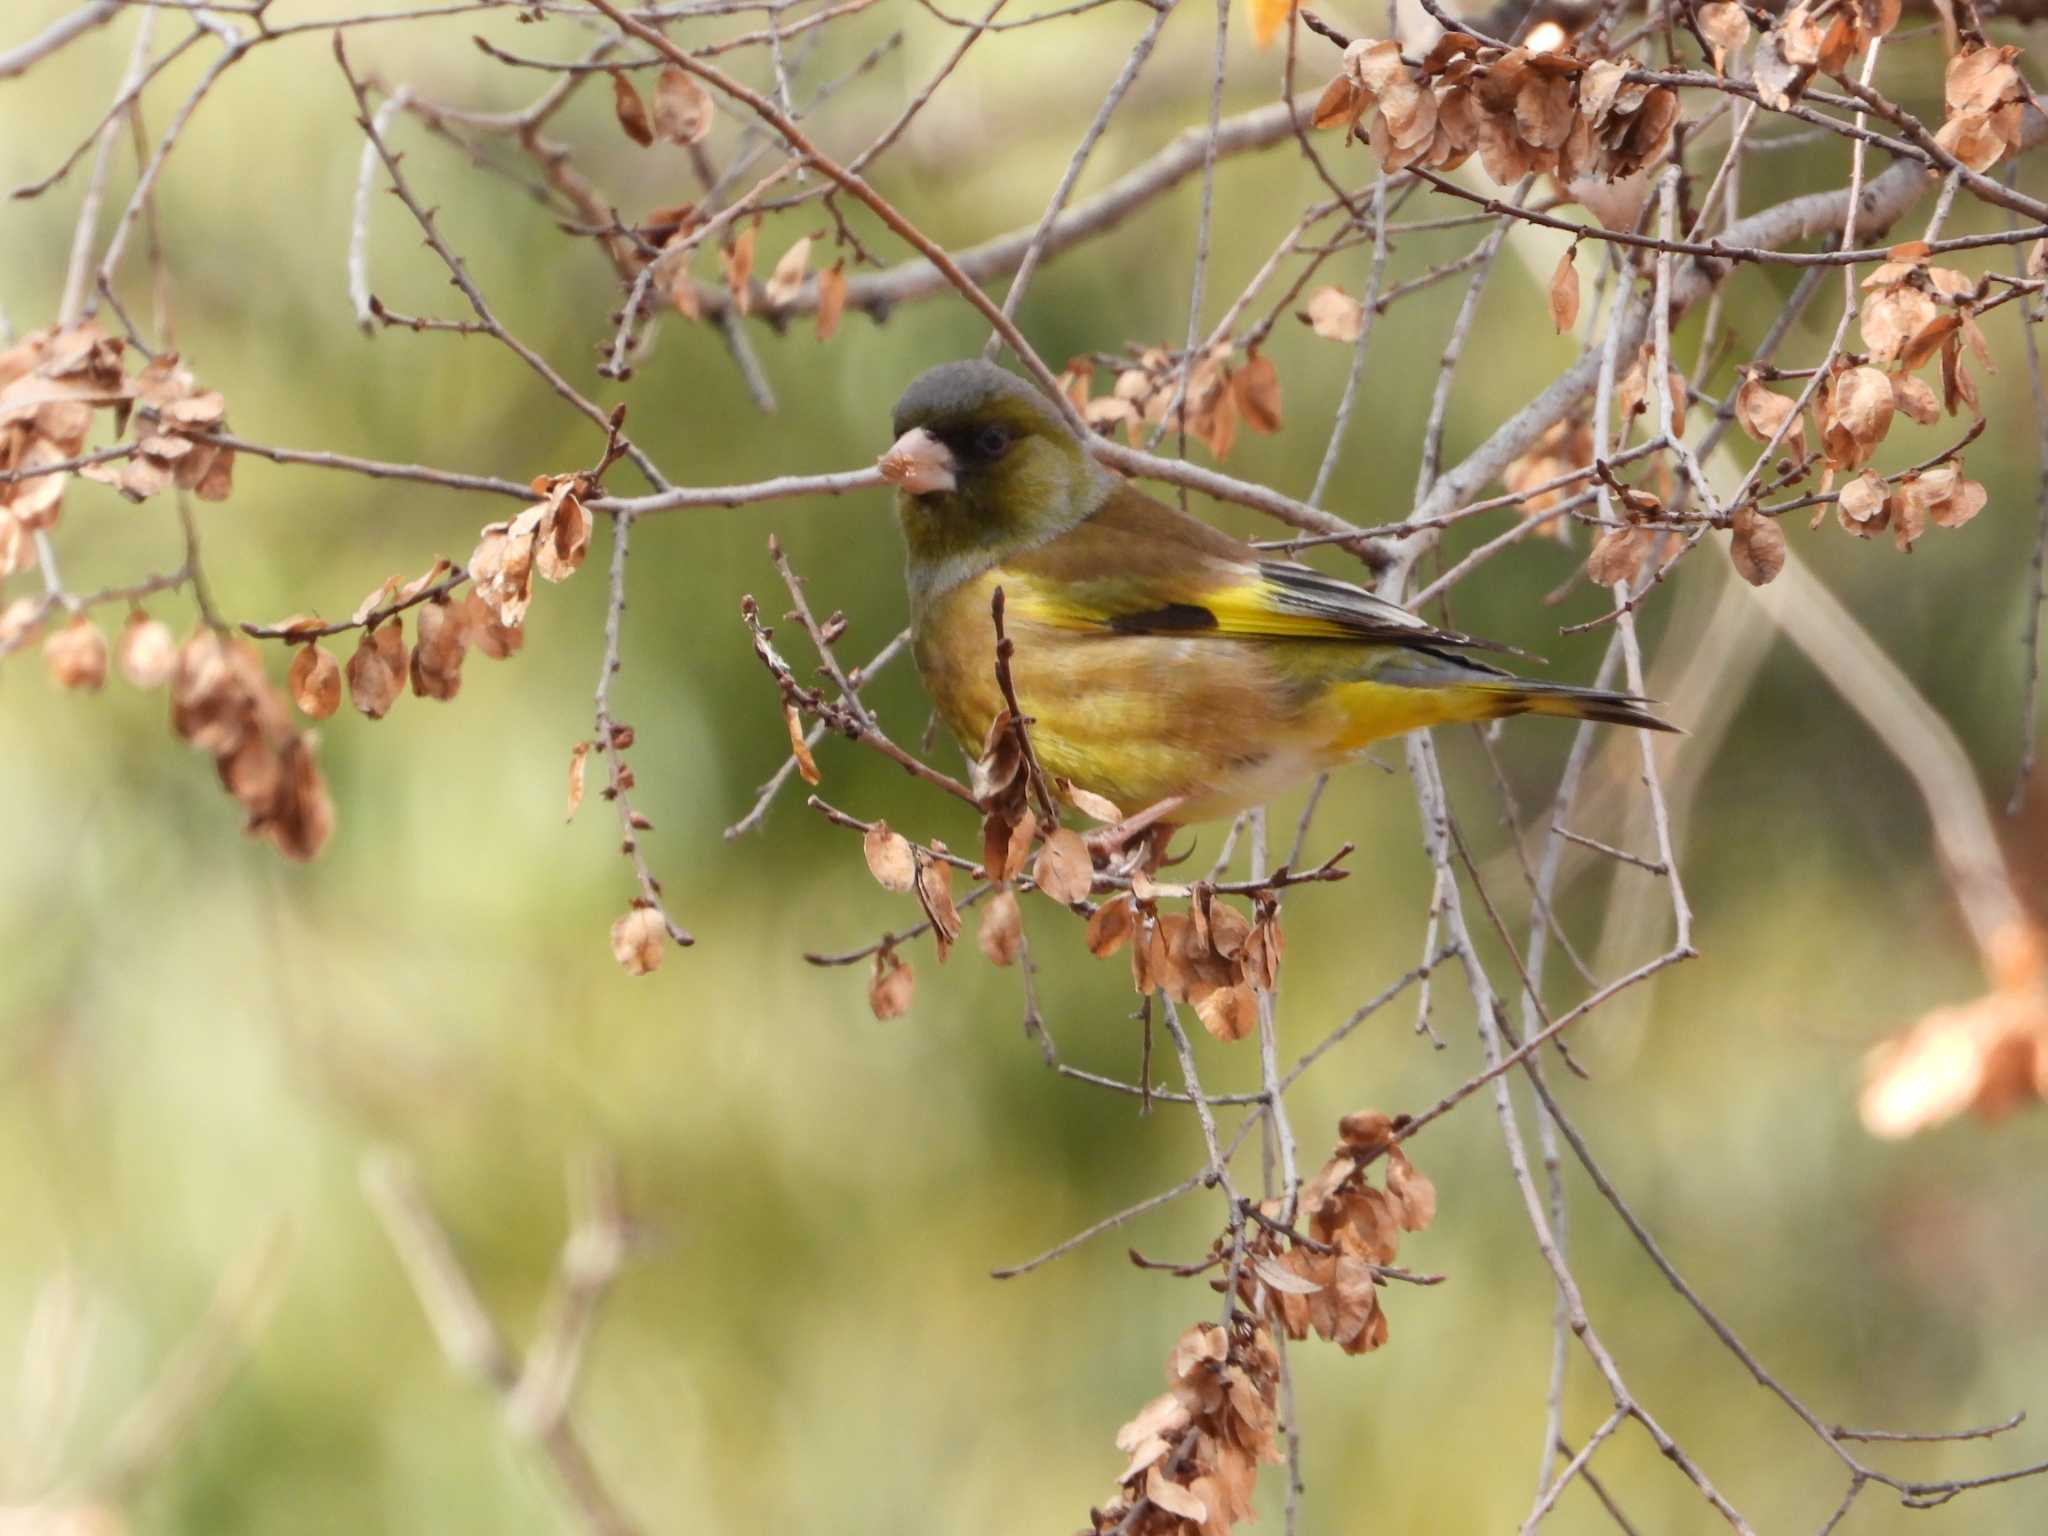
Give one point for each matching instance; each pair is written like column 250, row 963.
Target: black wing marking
column 1172, row 618
column 1306, row 590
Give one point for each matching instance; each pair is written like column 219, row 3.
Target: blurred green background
column 198, row 1041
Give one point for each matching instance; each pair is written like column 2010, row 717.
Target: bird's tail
column 1522, row 696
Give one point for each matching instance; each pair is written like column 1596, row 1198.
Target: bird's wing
column 1140, row 567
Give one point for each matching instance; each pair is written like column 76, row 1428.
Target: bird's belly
column 1257, row 782
column 1133, row 718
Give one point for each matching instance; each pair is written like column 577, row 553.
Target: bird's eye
column 990, row 442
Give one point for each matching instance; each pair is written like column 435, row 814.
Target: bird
column 1162, row 664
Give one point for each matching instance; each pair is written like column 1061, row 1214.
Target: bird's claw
column 1137, row 842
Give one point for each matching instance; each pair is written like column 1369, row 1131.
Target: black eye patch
column 978, row 445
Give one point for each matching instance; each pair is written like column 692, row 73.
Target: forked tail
column 1524, row 697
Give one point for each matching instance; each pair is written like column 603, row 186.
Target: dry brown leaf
column 1263, row 950
column 1005, row 843
column 252, row 774
column 935, row 895
column 1064, row 871
column 1282, row 1279
column 17, row 547
column 1174, row 1498
column 1861, row 505
column 1979, row 79
column 1076, row 380
column 1107, row 411
column 1230, row 931
column 563, row 538
column 1375, row 63
column 683, row 109
column 77, row 655
column 18, row 620
column 638, row 940
column 578, row 757
column 1618, row 554
column 891, row 984
column 1779, row 77
column 1928, row 340
column 1112, row 926
column 1413, row 1192
column 443, row 630
column 1335, row 315
column 787, row 280
column 314, row 681
column 831, row 299
column 432, row 681
column 1858, row 414
column 1229, row 1013
column 377, row 670
column 1090, row 804
column 428, row 578
column 487, row 632
column 806, row 765
column 378, row 597
column 300, row 819
column 667, row 224
column 202, row 412
column 1256, row 389
column 1366, row 1130
column 890, row 859
column 1725, row 28
column 738, row 261
column 630, row 110
column 1974, row 335
column 36, row 503
column 1892, row 318
column 1564, row 291
column 1908, row 516
column 436, row 664
column 1969, row 499
column 1758, row 546
column 138, row 479
column 1001, row 934
column 1915, row 400
column 1642, row 140
column 1340, row 104
column 145, row 651
column 1957, row 387
column 685, row 295
column 1974, row 139
column 1943, row 495
column 1216, row 423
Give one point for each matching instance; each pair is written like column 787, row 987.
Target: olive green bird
column 1164, row 665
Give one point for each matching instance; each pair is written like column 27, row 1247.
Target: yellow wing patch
column 1254, row 609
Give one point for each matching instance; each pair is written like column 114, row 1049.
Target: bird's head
column 983, row 465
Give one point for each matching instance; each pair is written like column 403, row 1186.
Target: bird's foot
column 1137, row 842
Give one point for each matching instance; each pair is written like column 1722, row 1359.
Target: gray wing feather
column 1309, row 591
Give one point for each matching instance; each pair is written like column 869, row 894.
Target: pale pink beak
column 918, row 463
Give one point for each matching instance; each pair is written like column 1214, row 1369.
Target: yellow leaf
column 1268, row 17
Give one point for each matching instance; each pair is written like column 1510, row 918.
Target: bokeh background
column 198, row 1042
